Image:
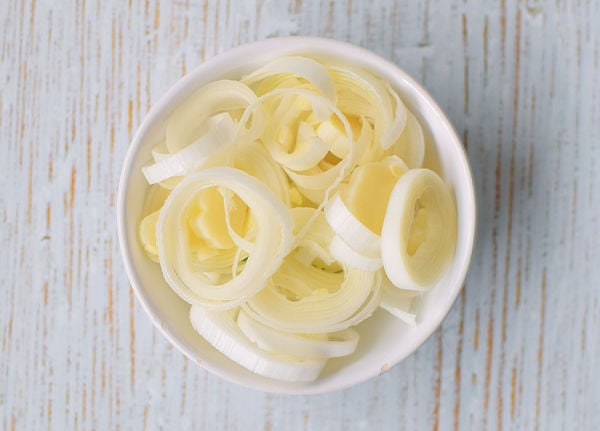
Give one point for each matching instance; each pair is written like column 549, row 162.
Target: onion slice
column 303, row 67
column 273, row 239
column 410, row 146
column 342, row 252
column 356, row 298
column 360, row 93
column 189, row 121
column 332, row 345
column 346, row 226
column 219, row 328
column 418, row 237
column 399, row 303
column 194, row 155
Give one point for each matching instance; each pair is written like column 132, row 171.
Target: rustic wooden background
column 519, row 79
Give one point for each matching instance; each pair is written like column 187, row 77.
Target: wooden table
column 520, row 348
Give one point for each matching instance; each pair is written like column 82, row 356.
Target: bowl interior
column 384, row 341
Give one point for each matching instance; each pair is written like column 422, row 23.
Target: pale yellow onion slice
column 354, row 300
column 379, row 102
column 418, row 237
column 319, row 232
column 188, row 122
column 307, row 153
column 273, row 239
column 147, row 235
column 343, row 166
column 345, row 254
column 350, row 229
column 240, row 241
column 194, row 156
column 303, row 298
column 395, row 129
column 317, row 100
column 316, row 184
column 291, row 141
column 313, row 244
column 282, row 80
column 332, row 345
column 155, row 199
column 410, row 146
column 312, row 198
column 307, row 68
column 220, row 329
column 215, row 263
column 369, row 188
column 329, row 131
column 401, row 304
column 160, row 153
column 317, row 179
column 357, row 226
column 284, row 112
column 253, row 158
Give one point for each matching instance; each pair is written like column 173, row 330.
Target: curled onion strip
column 194, row 155
column 399, row 303
column 356, row 299
column 420, row 197
column 219, row 328
column 272, row 243
column 332, row 345
column 189, row 121
column 377, row 102
column 339, row 170
column 342, row 252
column 346, row 226
column 254, row 159
column 308, row 152
column 410, row 146
column 306, row 68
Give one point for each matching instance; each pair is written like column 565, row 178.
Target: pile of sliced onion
column 287, row 207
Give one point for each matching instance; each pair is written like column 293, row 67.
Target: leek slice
column 354, row 233
column 308, row 150
column 369, row 189
column 147, row 235
column 342, row 252
column 360, row 93
column 189, row 121
column 334, row 345
column 303, row 67
column 410, row 146
column 399, row 303
column 356, row 297
column 254, row 159
column 194, row 155
column 319, row 297
column 317, row 183
column 219, row 328
column 419, row 230
column 273, row 239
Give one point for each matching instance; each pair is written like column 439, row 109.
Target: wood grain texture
column 519, row 79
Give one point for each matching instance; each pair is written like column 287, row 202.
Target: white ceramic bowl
column 384, row 341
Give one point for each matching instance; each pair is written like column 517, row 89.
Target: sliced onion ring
column 221, row 331
column 272, row 243
column 333, row 345
column 421, row 269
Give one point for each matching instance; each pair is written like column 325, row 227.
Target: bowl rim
column 294, row 43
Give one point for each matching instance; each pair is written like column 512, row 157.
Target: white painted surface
column 520, row 80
